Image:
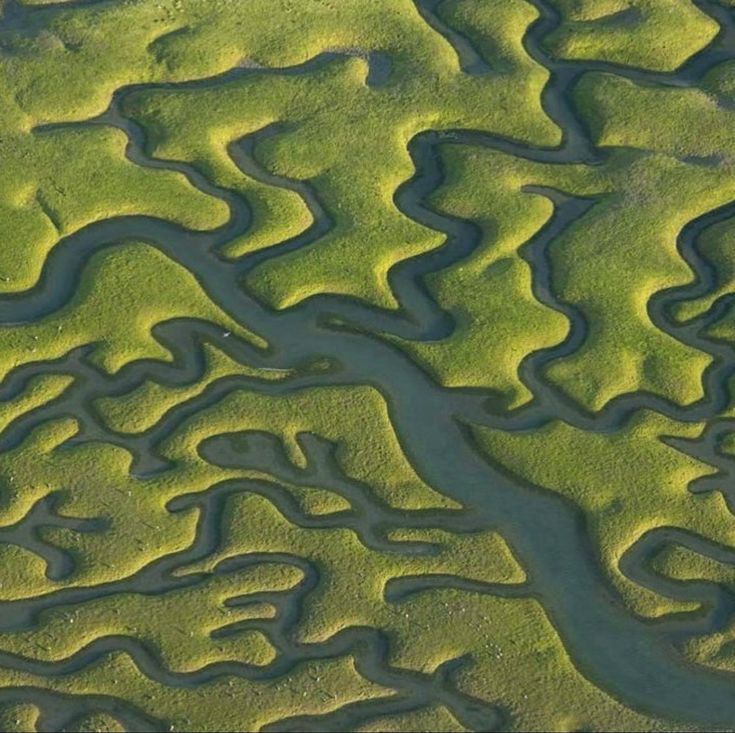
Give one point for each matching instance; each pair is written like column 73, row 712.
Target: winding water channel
column 634, row 660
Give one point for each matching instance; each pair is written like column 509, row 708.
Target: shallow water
column 634, row 660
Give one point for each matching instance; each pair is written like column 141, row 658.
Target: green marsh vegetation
column 367, row 366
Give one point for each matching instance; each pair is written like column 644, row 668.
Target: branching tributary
column 634, row 660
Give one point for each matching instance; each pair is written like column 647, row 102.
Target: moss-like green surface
column 650, row 34
column 597, row 470
column 367, row 365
